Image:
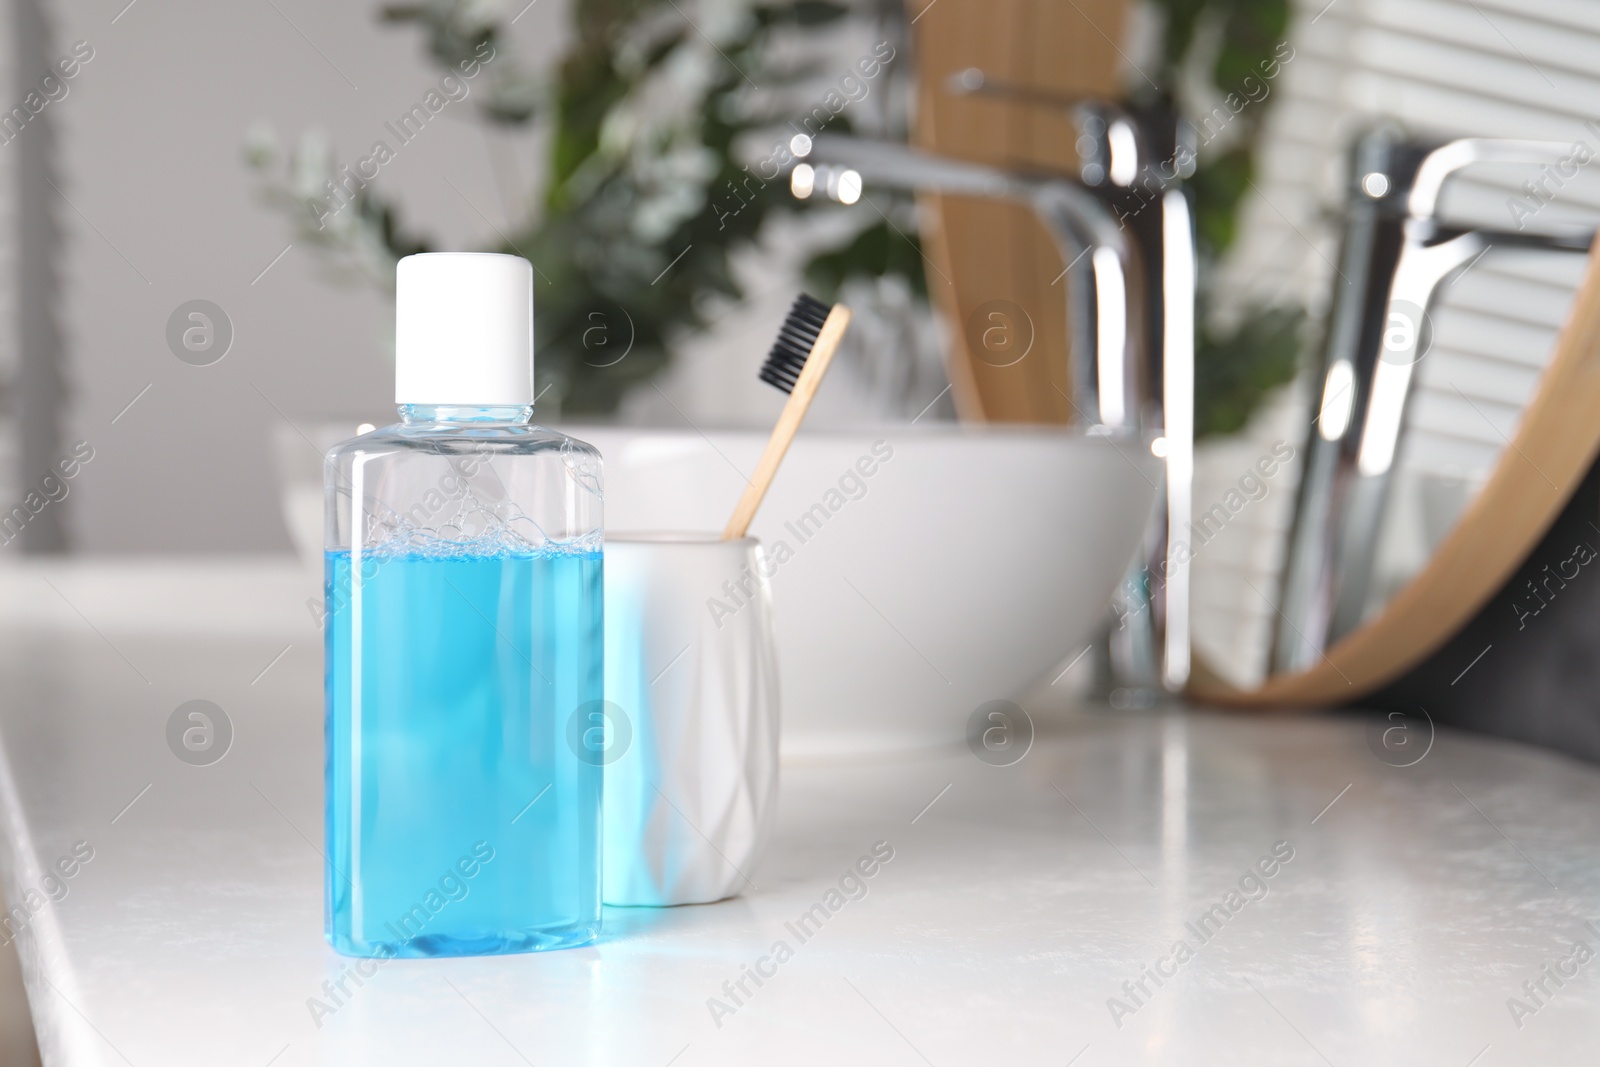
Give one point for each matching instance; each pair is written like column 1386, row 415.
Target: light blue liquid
column 460, row 820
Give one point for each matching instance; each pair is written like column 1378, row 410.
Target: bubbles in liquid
column 467, row 516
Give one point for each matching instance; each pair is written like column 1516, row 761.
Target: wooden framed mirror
column 1498, row 430
column 1542, row 466
column 1484, row 170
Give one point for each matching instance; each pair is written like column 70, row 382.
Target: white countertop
column 1018, row 900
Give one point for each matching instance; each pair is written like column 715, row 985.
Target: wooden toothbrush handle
column 794, row 412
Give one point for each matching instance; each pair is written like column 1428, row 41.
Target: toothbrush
column 799, row 358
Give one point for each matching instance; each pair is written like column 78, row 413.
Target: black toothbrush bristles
column 805, row 348
column 795, row 341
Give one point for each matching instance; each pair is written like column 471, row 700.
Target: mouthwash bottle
column 464, row 642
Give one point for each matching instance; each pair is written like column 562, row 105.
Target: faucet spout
column 1080, row 225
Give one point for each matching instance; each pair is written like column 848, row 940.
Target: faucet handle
column 1113, row 141
column 1407, row 175
column 1439, row 165
column 973, row 81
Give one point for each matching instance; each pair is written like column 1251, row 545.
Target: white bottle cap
column 463, row 329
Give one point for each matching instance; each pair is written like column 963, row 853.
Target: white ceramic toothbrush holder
column 692, row 666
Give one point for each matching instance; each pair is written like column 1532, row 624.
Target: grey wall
column 163, row 210
column 157, row 208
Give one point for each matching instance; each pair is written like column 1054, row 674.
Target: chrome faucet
column 1395, row 254
column 1131, row 306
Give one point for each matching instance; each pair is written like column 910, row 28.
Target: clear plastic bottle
column 464, row 642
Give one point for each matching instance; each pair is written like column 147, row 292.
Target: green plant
column 1232, row 42
column 646, row 199
column 1242, row 365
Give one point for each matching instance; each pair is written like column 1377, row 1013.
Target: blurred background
column 203, row 205
column 229, row 155
column 180, row 164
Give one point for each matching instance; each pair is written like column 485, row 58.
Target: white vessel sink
column 968, row 564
